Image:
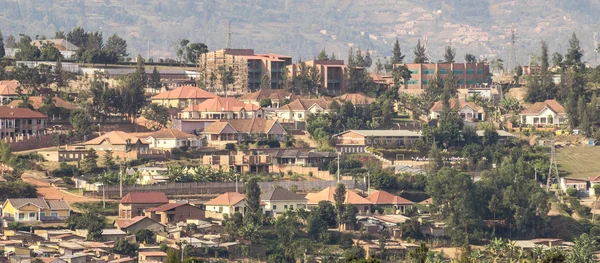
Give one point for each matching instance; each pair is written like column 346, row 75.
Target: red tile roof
column 218, row 104
column 250, row 126
column 305, row 104
column 8, row 87
column 538, row 107
column 127, row 222
column 455, row 104
column 167, row 133
column 20, row 113
column 165, row 207
column 144, row 198
column 185, row 92
column 273, row 94
column 152, row 253
column 230, row 198
column 384, row 198
column 38, row 102
column 327, row 194
column 356, row 98
column 595, row 179
column 115, row 138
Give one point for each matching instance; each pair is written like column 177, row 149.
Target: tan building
column 280, row 200
column 173, row 213
column 548, row 112
column 352, row 198
column 131, row 225
column 356, row 141
column 168, row 139
column 35, row 209
column 134, row 204
column 227, row 203
column 249, row 69
column 240, row 163
column 182, row 97
column 21, row 121
column 357, row 99
column 234, row 131
column 117, row 141
column 384, row 199
column 152, row 256
column 277, row 96
column 222, row 108
column 468, row 111
column 332, row 74
column 298, row 109
column 468, row 74
column 8, row 91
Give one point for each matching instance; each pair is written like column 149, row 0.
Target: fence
column 219, row 188
column 29, row 142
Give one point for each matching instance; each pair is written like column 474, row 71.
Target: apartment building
column 332, row 74
column 248, row 70
column 21, row 121
column 468, row 74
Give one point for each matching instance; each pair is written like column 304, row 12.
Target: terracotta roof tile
column 356, row 98
column 229, row 198
column 20, row 113
column 274, row 94
column 144, row 198
column 305, row 104
column 254, row 125
column 38, row 102
column 216, row 127
column 456, row 104
column 219, row 104
column 185, row 92
column 538, row 107
column 152, row 253
column 384, row 198
column 165, row 207
column 595, row 179
column 115, row 138
column 281, row 194
column 127, row 222
column 8, row 87
column 167, row 133
column 327, row 194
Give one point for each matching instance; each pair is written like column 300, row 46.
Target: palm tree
column 420, row 254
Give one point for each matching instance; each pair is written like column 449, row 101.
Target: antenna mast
column 228, row 44
column 513, row 51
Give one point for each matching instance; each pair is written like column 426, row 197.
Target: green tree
column 400, row 76
column 123, row 247
column 80, row 120
column 470, row 58
column 2, row 51
column 340, row 196
column 574, row 54
column 194, row 50
column 397, row 57
column 145, row 236
column 540, row 86
column 323, row 55
column 265, row 82
column 116, row 45
column 378, row 66
column 253, row 211
column 10, row 42
column 420, row 254
column 50, row 53
column 158, row 114
column 449, row 54
column 583, row 250
column 265, row 102
column 90, row 161
column 173, row 256
column 420, row 54
column 109, row 161
column 154, row 81
column 133, row 90
column 227, row 78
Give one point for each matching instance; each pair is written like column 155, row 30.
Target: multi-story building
column 222, row 108
column 332, row 74
column 182, row 97
column 468, row 74
column 20, row 121
column 248, row 69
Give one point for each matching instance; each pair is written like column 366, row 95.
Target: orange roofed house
column 182, row 97
column 277, row 97
column 299, row 108
column 8, row 91
column 468, row 111
column 222, row 108
column 232, row 131
column 173, row 213
column 352, row 198
column 543, row 113
column 384, row 199
column 38, row 101
column 227, row 203
column 117, row 141
column 357, row 99
column 134, row 204
column 131, row 225
column 21, row 121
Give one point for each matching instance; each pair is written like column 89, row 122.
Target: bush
column 230, row 147
column 572, row 192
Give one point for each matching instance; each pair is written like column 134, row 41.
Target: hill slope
column 302, row 28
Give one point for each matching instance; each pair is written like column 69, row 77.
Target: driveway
column 45, row 190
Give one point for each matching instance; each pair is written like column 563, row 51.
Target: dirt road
column 45, row 190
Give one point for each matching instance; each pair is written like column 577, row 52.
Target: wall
column 30, row 142
column 323, row 175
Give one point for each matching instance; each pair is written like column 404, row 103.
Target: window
column 274, row 207
column 29, row 121
column 460, row 82
column 429, row 71
column 31, row 215
column 291, row 207
column 413, row 81
column 414, row 71
column 458, row 72
column 424, row 81
column 480, row 72
column 21, row 216
column 443, row 71
column 221, row 209
column 470, row 71
column 299, row 115
column 237, row 209
column 285, row 207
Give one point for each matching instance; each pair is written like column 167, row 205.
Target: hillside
column 302, row 28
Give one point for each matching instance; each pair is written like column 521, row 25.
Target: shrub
column 572, row 192
column 230, row 147
column 310, row 174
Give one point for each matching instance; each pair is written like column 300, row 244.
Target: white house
column 279, row 200
column 227, row 203
column 469, row 111
column 594, row 180
column 580, row 184
column 171, row 138
column 549, row 112
column 299, row 108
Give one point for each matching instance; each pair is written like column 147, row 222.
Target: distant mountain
column 302, row 28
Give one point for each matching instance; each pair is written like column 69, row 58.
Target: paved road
column 45, row 190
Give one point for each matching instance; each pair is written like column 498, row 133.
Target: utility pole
column 513, row 51
column 338, row 168
column 121, row 181
column 368, row 183
column 228, row 44
column 236, row 183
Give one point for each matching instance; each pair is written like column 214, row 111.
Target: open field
column 579, row 162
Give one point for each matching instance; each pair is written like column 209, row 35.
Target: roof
column 144, row 198
column 501, row 133
column 538, row 107
column 113, row 231
column 115, row 138
column 456, row 104
column 127, row 259
column 383, row 133
column 384, row 198
column 254, row 125
column 327, row 194
column 427, row 201
column 19, row 113
column 8, row 87
column 305, row 104
column 58, row 205
column 569, row 180
column 298, row 153
column 595, row 179
column 20, row 202
column 127, row 222
column 38, row 101
column 273, row 94
column 356, row 98
column 229, row 198
column 60, row 44
column 167, row 133
column 185, row 92
column 219, row 104
column 281, row 194
column 152, row 253
column 166, row 207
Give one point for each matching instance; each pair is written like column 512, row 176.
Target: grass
column 579, row 162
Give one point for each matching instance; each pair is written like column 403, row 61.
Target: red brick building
column 468, row 74
column 134, row 204
column 173, row 213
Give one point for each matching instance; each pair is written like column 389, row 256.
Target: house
column 357, row 99
column 580, row 184
column 8, row 91
column 66, row 48
column 503, row 136
column 79, row 258
column 233, row 131
column 278, row 97
column 356, row 141
column 299, row 156
column 117, row 141
column 298, row 109
column 134, row 204
column 468, row 111
column 594, row 180
column 384, row 199
column 352, row 198
column 182, row 97
column 222, row 108
column 548, row 112
column 170, row 138
column 239, row 163
column 227, row 203
column 39, row 101
column 35, row 209
column 279, row 200
column 112, row 234
column 152, row 256
column 173, row 213
column 131, row 225
column 21, row 121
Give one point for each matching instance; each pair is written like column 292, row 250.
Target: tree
column 173, row 256
column 323, row 55
column 265, row 82
column 80, row 120
column 227, row 78
column 133, row 90
column 583, row 250
column 145, row 236
column 194, row 50
column 90, row 161
column 123, row 247
column 397, row 57
column 419, row 255
column 378, row 66
column 50, row 53
column 265, row 102
column 158, row 114
column 117, row 45
column 420, row 53
column 449, row 54
column 540, row 86
column 2, row 51
column 10, row 42
column 340, row 196
column 470, row 58
column 253, row 212
column 109, row 161
column 400, row 76
column 574, row 54
column 154, row 81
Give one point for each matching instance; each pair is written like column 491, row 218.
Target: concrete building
column 384, row 199
column 239, row 163
column 152, row 256
column 279, row 200
column 134, row 204
column 218, row 134
column 222, row 108
column 131, row 225
column 170, row 139
column 117, row 141
column 356, row 141
column 548, row 112
column 468, row 111
column 173, row 213
column 21, row 121
column 248, row 70
column 332, row 74
column 468, row 74
column 35, row 209
column 227, row 203
column 352, row 198
column 182, row 97
column 297, row 110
